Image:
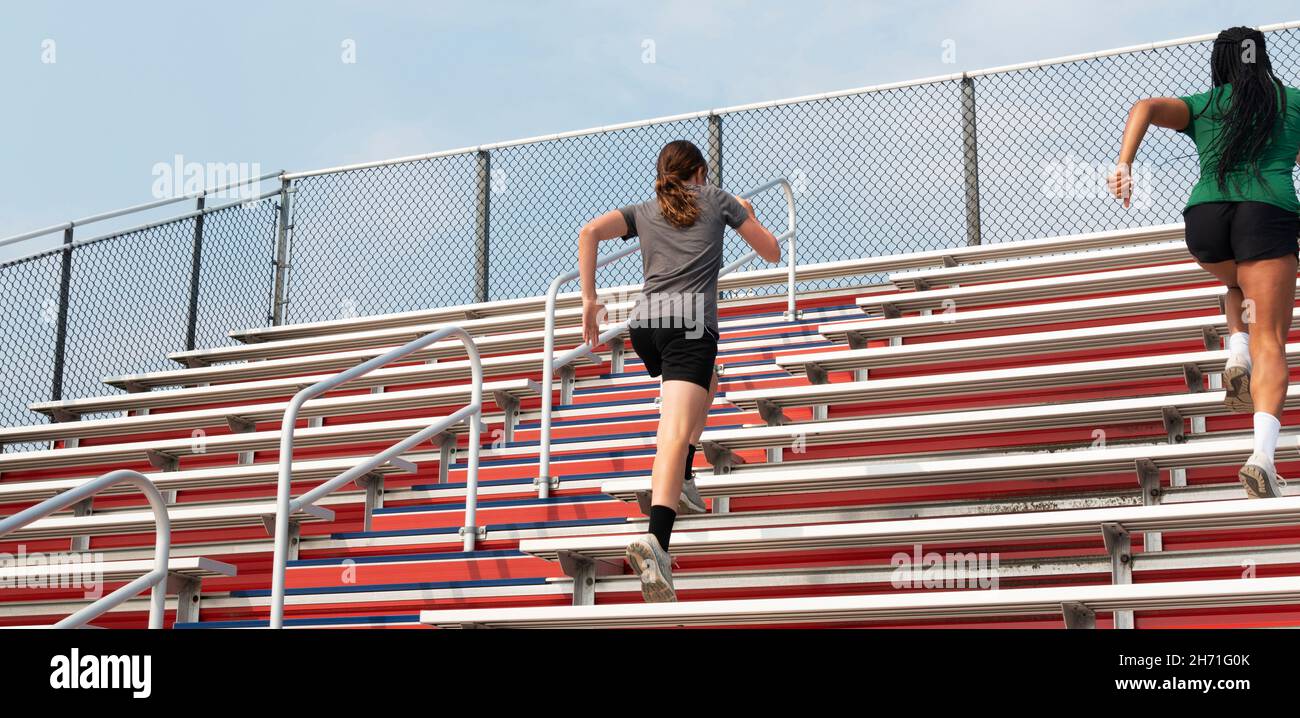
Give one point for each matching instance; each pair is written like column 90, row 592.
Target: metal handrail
column 285, row 505
column 162, row 544
column 550, row 364
column 113, row 214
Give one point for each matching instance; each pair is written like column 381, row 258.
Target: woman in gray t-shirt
column 674, row 326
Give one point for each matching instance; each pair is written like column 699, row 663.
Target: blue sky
column 134, row 84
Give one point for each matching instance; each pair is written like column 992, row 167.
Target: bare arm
column 758, row 236
column 609, row 225
column 1168, row 112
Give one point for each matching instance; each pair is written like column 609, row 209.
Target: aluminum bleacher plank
column 1115, row 280
column 1021, row 268
column 321, row 407
column 183, row 518
column 1148, row 409
column 1240, row 513
column 1208, row 329
column 194, row 567
column 1191, row 365
column 898, row 606
column 779, row 478
column 1202, row 298
column 746, row 279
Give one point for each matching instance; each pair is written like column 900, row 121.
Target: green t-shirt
column 1276, row 160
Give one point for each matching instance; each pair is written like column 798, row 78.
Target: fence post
column 970, row 160
column 715, row 150
column 481, row 222
column 61, row 328
column 281, row 261
column 196, row 261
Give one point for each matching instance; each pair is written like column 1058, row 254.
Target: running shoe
column 690, row 502
column 653, row 564
column 1236, row 386
column 1260, row 478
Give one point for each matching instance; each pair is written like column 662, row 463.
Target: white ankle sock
column 1266, row 429
column 1239, row 346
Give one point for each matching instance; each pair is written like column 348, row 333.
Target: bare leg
column 683, row 404
column 1269, row 288
column 703, row 418
column 1226, row 272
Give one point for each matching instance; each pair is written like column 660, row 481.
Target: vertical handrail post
column 470, row 530
column 970, row 160
column 547, row 386
column 61, row 322
column 196, row 266
column 281, row 261
column 482, row 220
column 715, row 150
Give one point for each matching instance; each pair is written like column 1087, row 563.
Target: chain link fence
column 131, row 299
column 987, row 157
column 29, row 320
column 383, row 239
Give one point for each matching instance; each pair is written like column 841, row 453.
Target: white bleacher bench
column 1170, row 410
column 298, row 367
column 1209, row 330
column 1041, row 288
column 206, row 478
column 183, row 518
column 481, row 329
column 163, row 454
column 856, row 333
column 1077, row 604
column 1145, row 461
column 184, row 579
column 144, row 401
column 291, row 370
column 1078, row 244
column 1039, row 266
column 585, row 557
column 1192, row 367
column 340, row 350
column 506, row 393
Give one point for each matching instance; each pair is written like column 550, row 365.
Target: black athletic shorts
column 676, row 353
column 1240, row 231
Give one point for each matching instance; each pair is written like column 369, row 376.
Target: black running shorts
column 676, row 353
column 1239, row 231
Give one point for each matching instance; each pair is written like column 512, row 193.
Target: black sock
column 661, row 523
column 690, row 460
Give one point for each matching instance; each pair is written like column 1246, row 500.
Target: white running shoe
column 690, row 502
column 653, row 564
column 1260, row 478
column 1236, row 385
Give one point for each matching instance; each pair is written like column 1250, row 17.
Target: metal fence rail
column 985, row 156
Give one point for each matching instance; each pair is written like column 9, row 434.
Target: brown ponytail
column 679, row 161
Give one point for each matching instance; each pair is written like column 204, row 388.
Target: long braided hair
column 1257, row 101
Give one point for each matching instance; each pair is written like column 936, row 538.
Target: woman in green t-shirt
column 1241, row 221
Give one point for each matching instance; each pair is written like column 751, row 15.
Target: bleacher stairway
column 1050, row 407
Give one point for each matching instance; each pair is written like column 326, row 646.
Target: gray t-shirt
column 681, row 265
